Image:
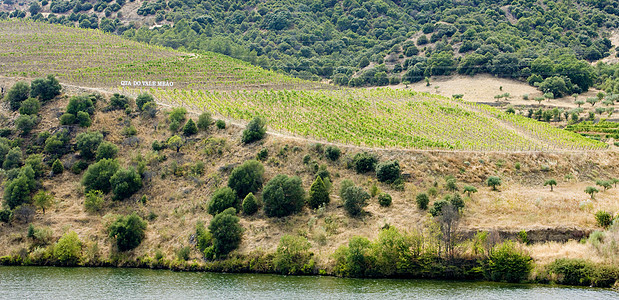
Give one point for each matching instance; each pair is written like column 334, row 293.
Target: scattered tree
column 384, row 199
column 57, row 167
column 98, row 175
column 128, row 231
column 43, row 200
column 175, row 142
column 283, row 196
column 318, row 194
column 68, row 249
column 591, row 191
column 226, row 232
column 204, row 121
column 106, row 150
column 45, row 89
column 255, row 130
column 355, row 199
column 250, row 204
column 221, row 200
column 493, row 181
column 17, row 94
column 30, row 106
column 88, row 143
column 551, row 183
column 142, row 99
column 190, row 128
column 125, row 182
column 422, row 200
column 246, row 178
column 388, row 171
column 469, row 189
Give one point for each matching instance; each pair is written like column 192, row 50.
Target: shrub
column 94, row 201
column 603, row 218
column 388, row 171
column 98, row 175
column 283, row 196
column 106, row 150
column 43, row 200
column 506, row 263
column 204, row 121
column 125, row 183
column 493, row 181
column 456, row 201
column 591, row 191
column 226, row 232
column 204, row 239
column 30, row 106
column 422, row 200
column 5, row 215
column 364, row 162
column 333, row 153
column 118, row 101
column 572, row 271
column 17, row 94
column 157, row 146
column 88, row 143
column 246, row 178
column 220, row 124
column 129, row 131
column 255, row 130
column 149, row 109
column 83, row 119
column 384, row 199
column 68, row 249
column 355, row 198
column 262, row 154
column 250, row 204
column 469, row 189
column 17, row 191
column 143, row 99
column 57, row 167
column 221, row 200
column 437, row 207
column 25, row 123
column 67, row 119
column 128, row 231
column 79, row 166
column 80, row 103
column 318, row 194
column 183, row 253
column 46, row 89
column 175, row 142
column 35, row 161
column 293, row 256
column 13, row 159
column 190, row 128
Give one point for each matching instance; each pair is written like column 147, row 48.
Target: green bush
column 226, row 232
column 246, row 178
column 128, row 231
column 68, row 249
column 354, row 260
column 204, row 239
column 13, row 159
column 83, row 119
column 384, row 199
column 98, row 175
column 355, row 199
column 35, row 161
column 364, row 162
column 204, row 121
column 255, row 130
column 17, row 94
column 25, row 123
column 43, row 200
column 493, row 181
column 79, row 166
column 46, row 89
column 30, row 106
column 125, row 183
column 57, row 144
column 437, row 207
column 250, row 204
column 17, row 191
column 220, row 124
column 5, row 215
column 283, row 196
column 293, row 256
column 57, row 167
column 183, row 253
column 190, row 128
column 422, row 200
column 603, row 218
column 118, row 101
column 572, row 271
column 388, row 171
column 88, row 143
column 333, row 153
column 80, row 103
column 262, row 154
column 142, row 99
column 94, row 201
column 318, row 194
column 106, row 150
column 222, row 199
column 506, row 263
column 67, row 119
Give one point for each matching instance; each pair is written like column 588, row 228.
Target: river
column 109, row 283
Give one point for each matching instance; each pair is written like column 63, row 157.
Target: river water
column 109, row 283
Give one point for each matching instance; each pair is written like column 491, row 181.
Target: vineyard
column 92, row 58
column 383, row 118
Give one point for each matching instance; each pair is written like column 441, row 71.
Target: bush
column 17, row 191
column 255, row 130
column 221, row 200
column 25, row 123
column 13, row 159
column 43, row 200
column 190, row 128
column 35, row 161
column 5, row 215
column 220, row 124
column 149, row 109
column 364, row 162
column 283, row 196
column 30, row 106
column 246, row 178
column 125, row 183
column 94, row 201
column 384, row 199
column 333, row 153
column 437, row 207
column 493, row 181
column 79, row 166
column 143, row 99
column 68, row 249
column 80, row 103
column 603, row 218
column 98, row 175
column 17, row 94
column 422, row 200
column 128, row 231
column 506, row 263
column 226, row 232
column 204, row 121
column 67, row 119
column 83, row 119
column 118, row 101
column 204, row 239
column 388, row 171
column 262, row 154
column 572, row 271
column 355, row 198
column 318, row 194
column 293, row 256
column 250, row 204
column 88, row 143
column 57, row 167
column 106, row 150
column 46, row 89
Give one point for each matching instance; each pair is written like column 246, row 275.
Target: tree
column 384, row 199
column 606, row 184
column 34, row 8
column 451, row 184
column 283, row 196
column 250, row 204
column 125, row 183
column 293, row 255
column 388, row 171
column 355, row 199
column 68, row 249
column 333, row 153
column 83, row 119
column 43, row 200
column 94, row 201
column 57, row 167
column 365, row 162
column 226, row 231
column 246, row 178
column 318, row 194
column 128, row 231
column 106, row 150
column 45, row 89
column 422, row 200
column 221, row 200
column 469, row 189
column 551, row 183
column 493, row 181
column 204, row 121
column 591, row 191
column 255, row 130
column 175, row 142
column 190, row 128
column 17, row 191
column 592, row 101
column 30, row 106
column 25, row 123
column 118, row 101
column 98, row 175
column 13, row 159
column 88, row 143
column 143, row 99
column 17, row 94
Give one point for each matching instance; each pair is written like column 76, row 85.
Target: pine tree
column 318, row 194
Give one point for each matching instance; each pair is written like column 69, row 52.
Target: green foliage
column 451, row 184
column 318, row 194
column 98, row 175
column 128, row 231
column 333, row 153
column 57, row 167
column 246, row 178
column 507, row 263
column 177, row 115
column 142, row 99
column 190, row 128
column 255, row 130
column 67, row 119
column 17, row 94
column 226, row 232
column 88, row 143
column 30, row 106
column 551, row 183
column 57, row 144
column 125, row 182
column 365, row 162
column 13, row 159
column 17, row 191
column 93, row 201
column 283, row 196
column 384, row 199
column 388, row 171
column 118, row 101
column 222, row 199
column 5, row 215
column 422, row 201
column 581, row 272
column 469, row 189
column 220, row 124
column 354, row 260
column 106, row 150
column 68, row 249
column 293, row 256
column 83, row 119
column 204, row 239
column 591, row 191
column 45, row 89
column 603, row 218
column 438, row 206
column 25, row 123
column 204, row 121
column 80, row 103
column 493, row 181
column 355, row 199
column 250, row 204
column 175, row 142
column 43, row 200
column 35, row 161
column 262, row 154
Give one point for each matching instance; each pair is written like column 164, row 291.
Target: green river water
column 109, row 283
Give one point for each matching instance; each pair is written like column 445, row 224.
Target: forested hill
column 374, row 42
